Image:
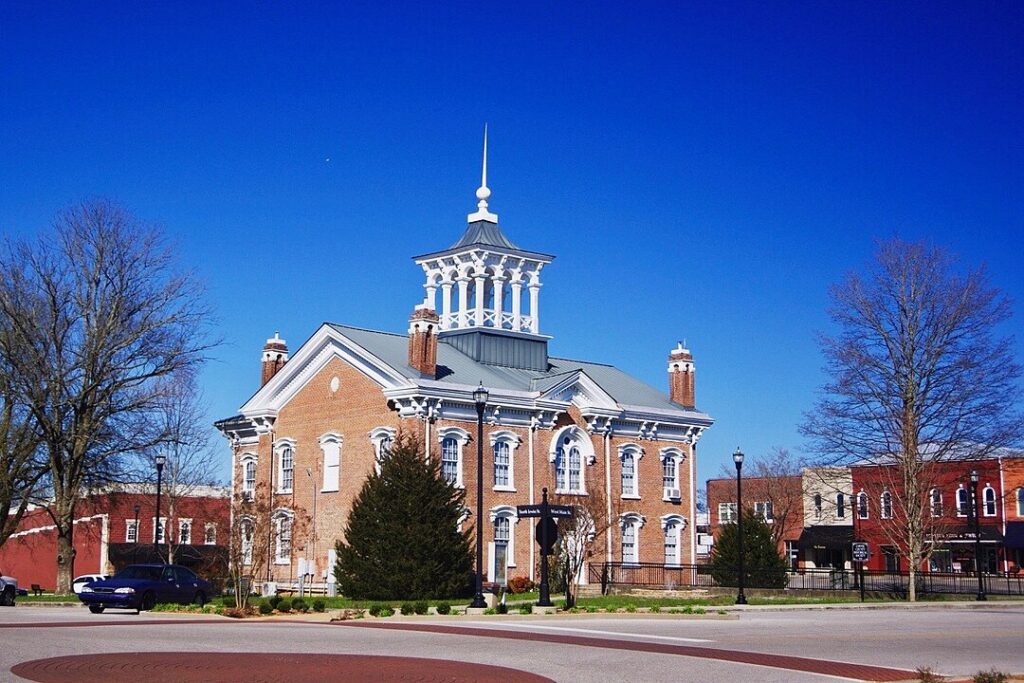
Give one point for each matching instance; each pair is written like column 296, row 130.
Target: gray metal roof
column 457, row 368
column 486, row 235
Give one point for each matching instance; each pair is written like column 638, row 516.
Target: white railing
column 451, row 321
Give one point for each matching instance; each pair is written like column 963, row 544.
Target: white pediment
column 582, row 391
column 326, row 344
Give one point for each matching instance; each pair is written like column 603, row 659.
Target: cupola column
column 498, row 282
column 446, row 304
column 481, row 289
column 517, row 303
column 463, row 301
column 535, row 307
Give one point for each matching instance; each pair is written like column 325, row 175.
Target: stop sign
column 547, row 525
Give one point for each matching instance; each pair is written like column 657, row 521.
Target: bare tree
column 21, row 464
column 253, row 537
column 918, row 374
column 783, row 491
column 95, row 314
column 592, row 519
column 191, row 456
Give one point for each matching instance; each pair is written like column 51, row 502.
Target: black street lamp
column 137, row 508
column 160, row 460
column 737, row 457
column 977, row 534
column 480, row 399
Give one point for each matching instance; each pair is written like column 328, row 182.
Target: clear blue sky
column 703, row 171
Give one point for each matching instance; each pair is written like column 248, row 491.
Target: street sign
column 553, row 510
column 860, row 552
column 551, row 532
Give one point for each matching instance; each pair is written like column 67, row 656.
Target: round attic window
column 335, row 384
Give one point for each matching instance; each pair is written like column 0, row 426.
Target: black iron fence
column 650, row 575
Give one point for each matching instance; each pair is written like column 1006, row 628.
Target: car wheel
column 148, row 601
column 7, row 599
column 96, row 609
column 200, row 599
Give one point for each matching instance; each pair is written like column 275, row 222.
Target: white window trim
column 882, row 506
column 863, row 496
column 681, row 524
column 163, row 526
column 129, row 524
column 637, row 452
column 984, row 502
column 733, row 513
column 206, row 533
column 277, row 517
column 963, row 510
column 247, row 493
column 461, row 437
column 637, row 521
column 279, row 448
column 678, row 456
column 1020, row 501
column 463, row 516
column 246, row 547
column 513, row 440
column 507, row 512
column 378, row 435
column 325, row 441
column 587, row 457
column 933, row 509
column 185, row 521
column 765, row 506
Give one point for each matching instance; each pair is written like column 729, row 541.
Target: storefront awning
column 825, row 537
column 1014, row 535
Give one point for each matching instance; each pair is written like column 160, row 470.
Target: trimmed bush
column 319, row 605
column 386, row 611
column 299, row 605
column 274, row 601
column 284, row 607
column 408, row 608
column 375, row 610
column 520, row 584
column 443, row 608
column 421, row 607
column 265, row 608
column 526, row 609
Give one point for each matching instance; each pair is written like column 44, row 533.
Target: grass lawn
column 48, row 597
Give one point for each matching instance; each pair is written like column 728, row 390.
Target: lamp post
column 312, row 571
column 737, row 457
column 977, row 534
column 480, row 399
column 160, row 460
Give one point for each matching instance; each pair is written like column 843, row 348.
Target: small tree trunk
column 912, row 590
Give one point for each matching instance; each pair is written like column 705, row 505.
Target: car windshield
column 140, row 572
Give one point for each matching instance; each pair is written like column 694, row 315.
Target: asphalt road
column 955, row 641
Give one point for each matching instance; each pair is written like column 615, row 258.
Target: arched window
column 935, row 502
column 452, row 441
column 1020, row 502
column 570, row 448
column 840, row 506
column 989, row 500
column 246, row 528
column 963, row 502
column 862, row 505
column 285, row 465
column 817, row 505
column 503, row 445
column 885, row 509
column 630, row 524
column 330, row 444
column 670, row 461
column 502, row 551
column 248, row 476
column 382, row 438
column 629, row 457
column 673, row 525
column 282, row 537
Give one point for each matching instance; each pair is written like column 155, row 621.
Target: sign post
column 860, row 556
column 547, row 536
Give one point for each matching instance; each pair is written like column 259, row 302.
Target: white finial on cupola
column 483, row 193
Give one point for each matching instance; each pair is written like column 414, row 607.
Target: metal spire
column 483, row 193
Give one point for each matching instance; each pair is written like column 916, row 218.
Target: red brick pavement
column 860, row 672
column 191, row 667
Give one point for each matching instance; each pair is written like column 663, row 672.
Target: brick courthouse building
column 323, row 416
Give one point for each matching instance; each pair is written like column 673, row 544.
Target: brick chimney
column 681, row 388
column 275, row 355
column 423, row 326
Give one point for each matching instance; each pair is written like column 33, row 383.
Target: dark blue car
column 141, row 586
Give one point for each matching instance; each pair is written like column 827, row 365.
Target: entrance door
column 892, row 558
column 501, row 563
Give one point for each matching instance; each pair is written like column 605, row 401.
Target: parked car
column 142, row 586
column 22, row 592
column 8, row 590
column 76, row 585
